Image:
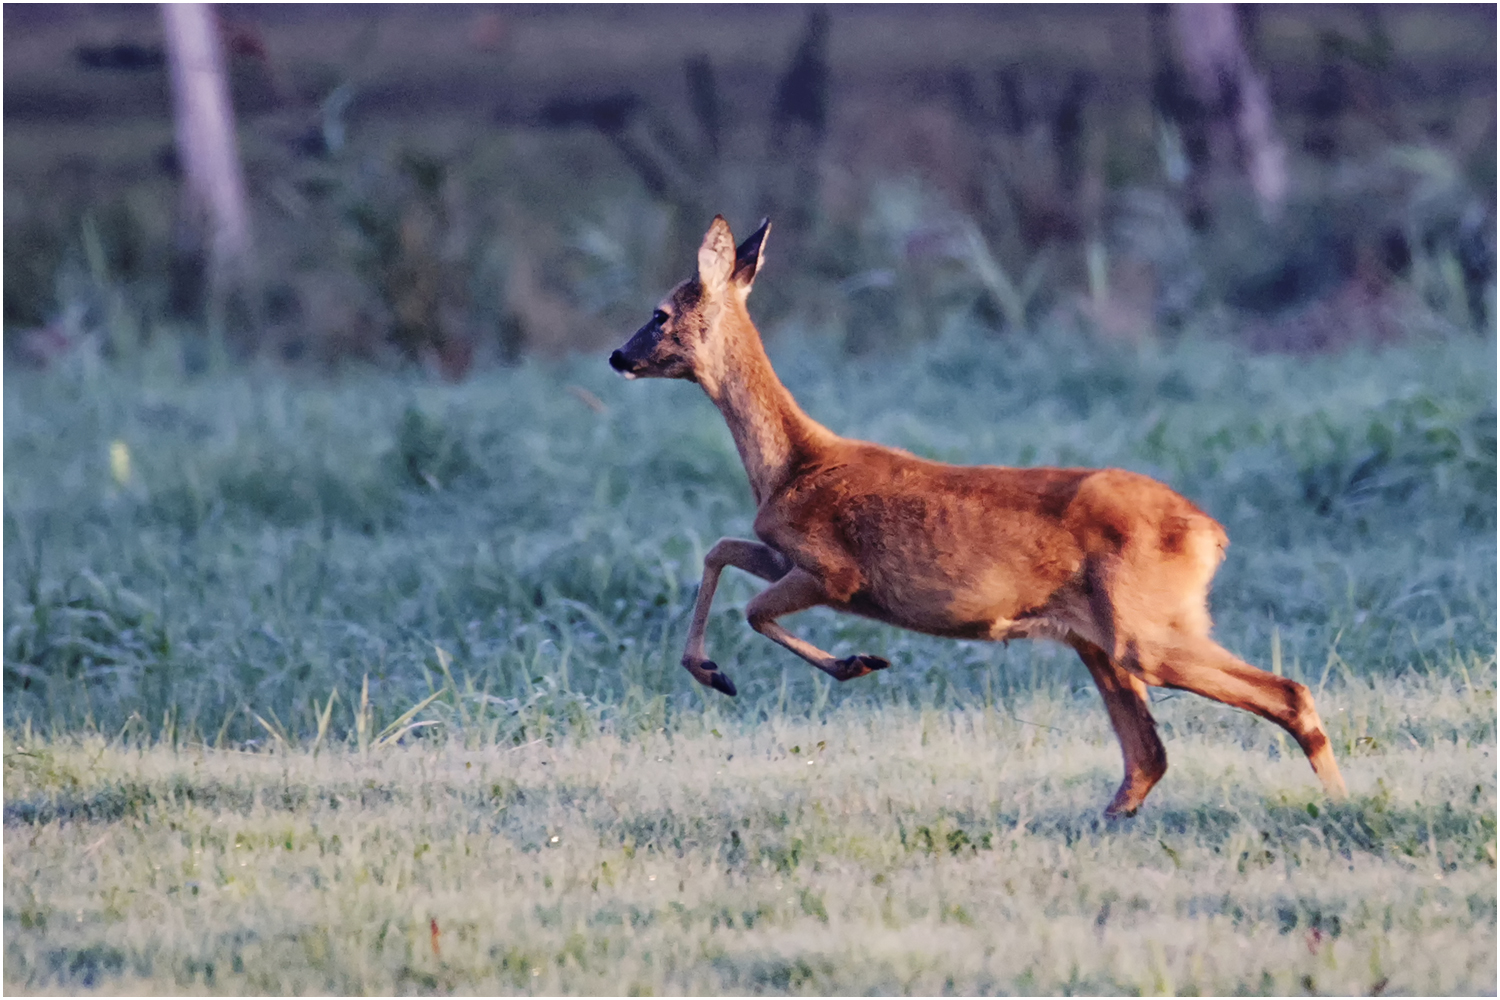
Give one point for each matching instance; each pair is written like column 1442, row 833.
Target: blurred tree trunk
column 1233, row 104
column 215, row 212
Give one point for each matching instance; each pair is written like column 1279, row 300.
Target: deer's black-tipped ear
column 716, row 256
column 747, row 259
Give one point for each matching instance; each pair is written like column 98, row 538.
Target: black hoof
column 718, row 680
column 851, row 667
column 722, row 683
column 707, row 672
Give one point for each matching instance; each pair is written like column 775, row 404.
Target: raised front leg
column 797, row 591
column 752, row 557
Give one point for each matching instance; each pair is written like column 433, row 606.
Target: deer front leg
column 752, row 557
column 797, row 591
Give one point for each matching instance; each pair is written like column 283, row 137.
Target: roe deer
column 1112, row 563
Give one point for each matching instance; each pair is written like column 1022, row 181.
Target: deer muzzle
column 634, row 358
column 621, row 364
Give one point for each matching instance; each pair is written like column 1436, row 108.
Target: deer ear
column 748, row 258
column 716, row 256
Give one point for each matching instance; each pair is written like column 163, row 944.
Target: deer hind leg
column 1125, row 700
column 752, row 557
column 797, row 591
column 1198, row 664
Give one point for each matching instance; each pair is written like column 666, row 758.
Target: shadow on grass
column 136, row 800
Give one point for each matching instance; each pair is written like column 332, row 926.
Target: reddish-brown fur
column 1110, row 562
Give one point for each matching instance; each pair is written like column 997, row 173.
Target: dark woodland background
column 458, row 185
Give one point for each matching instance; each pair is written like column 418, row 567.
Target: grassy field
column 371, row 685
column 870, row 851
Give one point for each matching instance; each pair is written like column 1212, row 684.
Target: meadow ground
column 878, row 851
column 371, row 685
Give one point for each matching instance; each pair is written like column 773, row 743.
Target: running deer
column 1112, row 563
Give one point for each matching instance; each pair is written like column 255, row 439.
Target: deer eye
column 659, row 317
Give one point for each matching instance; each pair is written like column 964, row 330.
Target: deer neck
column 773, row 435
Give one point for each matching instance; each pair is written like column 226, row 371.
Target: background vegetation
column 179, row 552
column 458, row 186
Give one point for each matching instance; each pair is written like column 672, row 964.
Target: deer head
column 685, row 337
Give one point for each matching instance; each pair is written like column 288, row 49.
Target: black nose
column 618, row 363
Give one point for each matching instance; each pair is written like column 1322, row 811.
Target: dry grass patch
column 891, row 851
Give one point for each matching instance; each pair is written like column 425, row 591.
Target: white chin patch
column 629, row 375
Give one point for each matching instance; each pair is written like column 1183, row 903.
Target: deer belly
column 981, row 607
